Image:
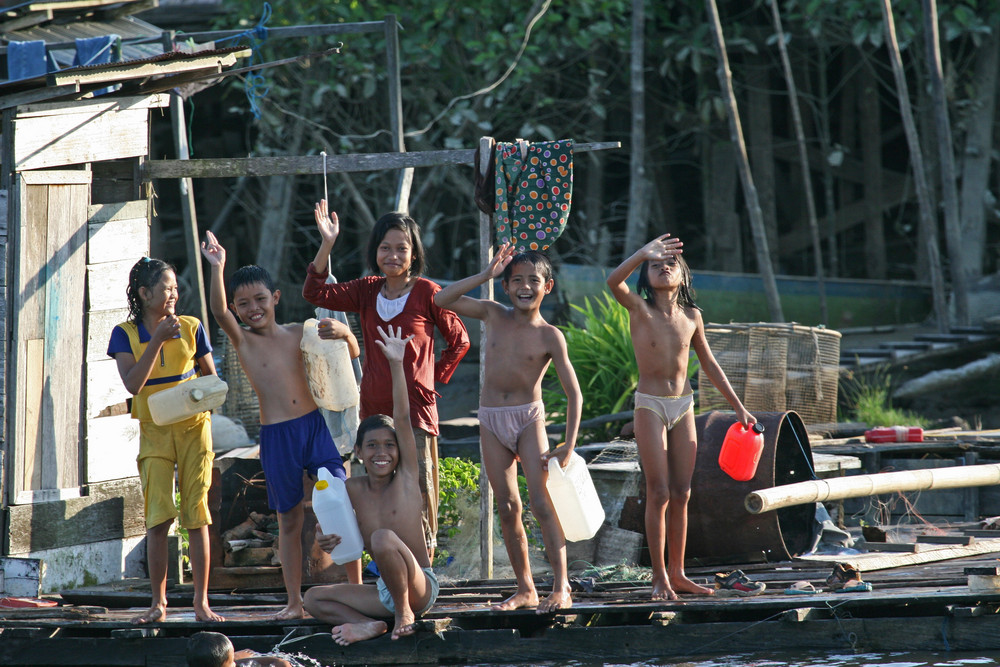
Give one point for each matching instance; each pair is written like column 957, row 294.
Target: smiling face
column 395, row 253
column 526, row 286
column 160, row 299
column 254, row 304
column 379, row 451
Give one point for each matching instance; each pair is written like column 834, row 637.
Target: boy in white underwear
column 520, row 344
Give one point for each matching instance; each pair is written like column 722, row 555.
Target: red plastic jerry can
column 741, row 451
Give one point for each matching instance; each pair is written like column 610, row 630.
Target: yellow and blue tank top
column 177, row 362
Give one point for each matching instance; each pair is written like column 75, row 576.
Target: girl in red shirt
column 396, row 295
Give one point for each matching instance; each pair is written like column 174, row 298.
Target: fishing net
column 241, row 401
column 774, row 368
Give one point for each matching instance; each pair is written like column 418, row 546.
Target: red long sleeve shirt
column 419, row 317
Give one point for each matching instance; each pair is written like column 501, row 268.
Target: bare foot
column 662, row 590
column 206, row 615
column 152, row 615
column 556, row 601
column 405, row 624
column 518, row 600
column 288, row 613
column 348, row 633
column 682, row 584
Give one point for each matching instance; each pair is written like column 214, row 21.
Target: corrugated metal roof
column 140, row 40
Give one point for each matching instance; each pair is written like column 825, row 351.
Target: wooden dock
column 610, row 621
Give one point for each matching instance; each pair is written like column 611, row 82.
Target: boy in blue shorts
column 293, row 435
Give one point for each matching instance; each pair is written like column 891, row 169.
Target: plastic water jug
column 574, row 498
column 741, row 451
column 187, row 399
column 329, row 368
column 335, row 514
column 895, row 434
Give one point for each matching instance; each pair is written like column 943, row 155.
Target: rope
column 255, row 82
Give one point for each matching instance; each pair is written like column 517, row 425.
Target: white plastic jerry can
column 333, row 510
column 329, row 369
column 574, row 498
column 187, row 399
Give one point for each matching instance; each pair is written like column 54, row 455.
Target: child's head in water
column 253, row 295
column 685, row 293
column 394, row 247
column 210, row 649
column 152, row 285
column 376, row 439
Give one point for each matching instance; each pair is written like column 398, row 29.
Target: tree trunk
column 800, row 139
column 724, row 242
column 636, row 227
column 976, row 163
column 916, row 157
column 949, row 191
column 871, row 158
column 749, row 190
column 761, row 148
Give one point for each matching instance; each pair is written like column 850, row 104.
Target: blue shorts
column 287, row 448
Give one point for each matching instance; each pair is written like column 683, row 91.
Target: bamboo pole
column 858, row 486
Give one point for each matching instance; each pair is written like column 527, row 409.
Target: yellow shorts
column 188, row 445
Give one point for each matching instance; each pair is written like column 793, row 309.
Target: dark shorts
column 288, row 448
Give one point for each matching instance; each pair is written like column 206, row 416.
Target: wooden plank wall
column 47, row 381
column 119, row 236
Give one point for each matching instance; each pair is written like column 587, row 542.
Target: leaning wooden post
column 486, row 292
column 188, row 211
column 396, row 110
column 743, row 165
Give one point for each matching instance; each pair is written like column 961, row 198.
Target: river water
column 807, row 659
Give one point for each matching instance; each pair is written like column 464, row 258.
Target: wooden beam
column 138, row 70
column 113, row 510
column 313, row 164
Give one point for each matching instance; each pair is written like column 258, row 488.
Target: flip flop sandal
column 856, row 587
column 801, row 588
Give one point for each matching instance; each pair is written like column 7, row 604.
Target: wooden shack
column 77, row 217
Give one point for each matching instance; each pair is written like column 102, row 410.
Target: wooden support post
column 972, row 493
column 486, row 292
column 179, row 124
column 396, row 110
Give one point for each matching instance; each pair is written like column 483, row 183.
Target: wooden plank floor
column 610, row 621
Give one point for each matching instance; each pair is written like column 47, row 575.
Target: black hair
column 407, row 225
column 208, row 649
column 248, row 275
column 533, row 257
column 685, row 294
column 145, row 273
column 370, row 423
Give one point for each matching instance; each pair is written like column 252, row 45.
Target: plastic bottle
column 329, row 368
column 187, row 399
column 895, row 434
column 574, row 498
column 333, row 510
column 741, row 451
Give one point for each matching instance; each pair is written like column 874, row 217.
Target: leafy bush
column 602, row 356
column 456, row 477
column 867, row 397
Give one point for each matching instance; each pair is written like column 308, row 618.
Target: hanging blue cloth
column 98, row 51
column 26, row 59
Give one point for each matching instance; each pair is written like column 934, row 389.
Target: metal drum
column 719, row 527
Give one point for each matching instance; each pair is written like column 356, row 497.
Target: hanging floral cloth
column 534, row 190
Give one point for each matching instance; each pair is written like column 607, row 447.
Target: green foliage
column 868, row 398
column 459, row 485
column 182, row 531
column 602, row 356
column 456, row 477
